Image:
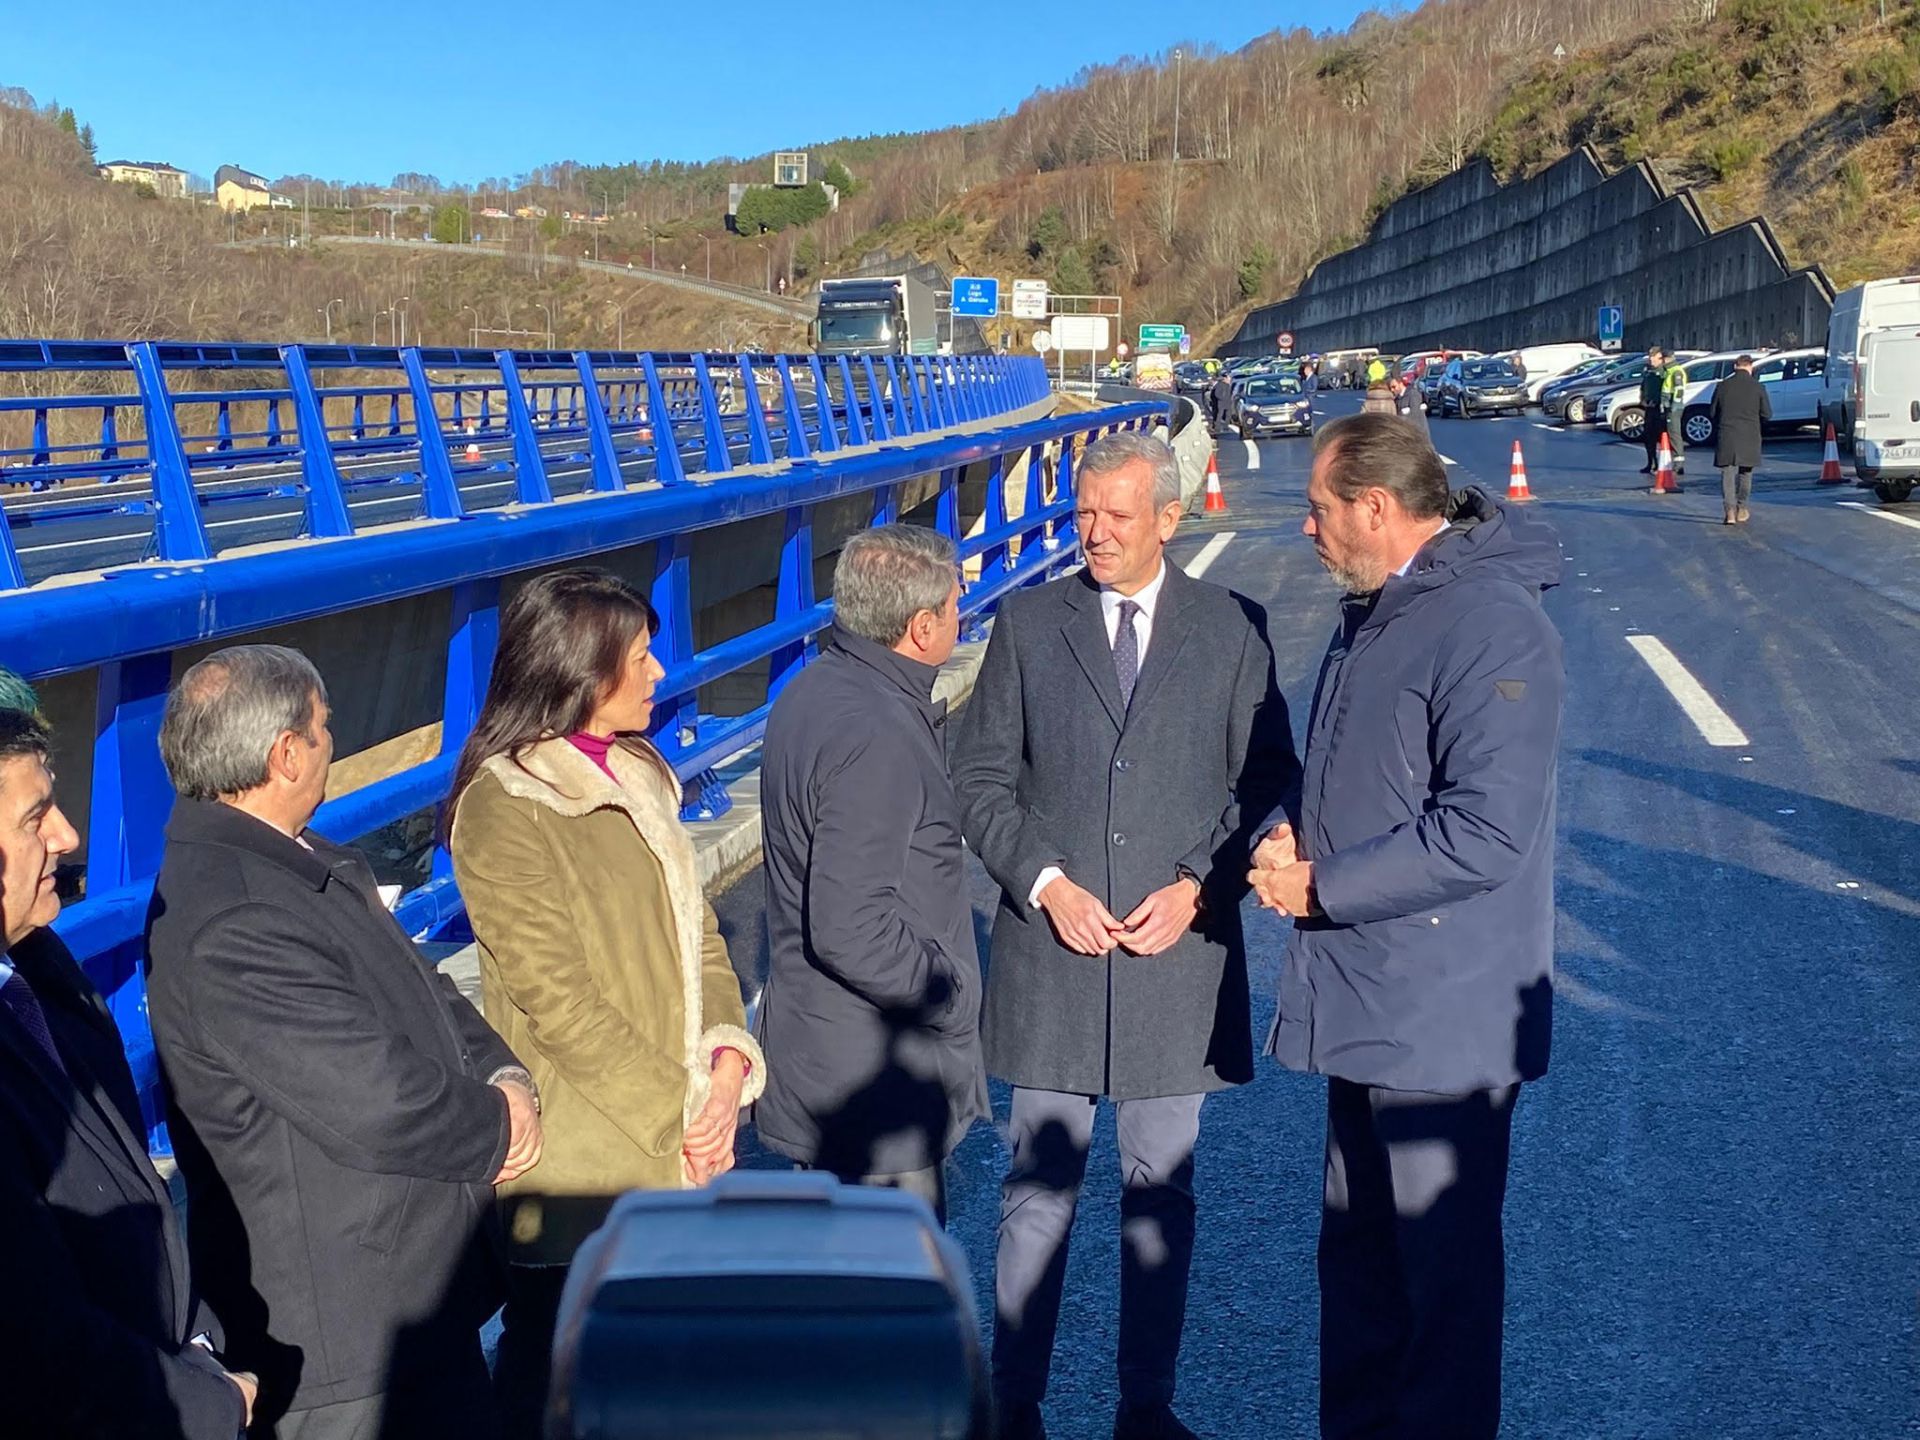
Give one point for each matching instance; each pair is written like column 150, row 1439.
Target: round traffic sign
column 1043, row 340
column 1121, row 349
column 1286, row 340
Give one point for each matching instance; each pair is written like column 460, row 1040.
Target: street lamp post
column 549, row 315
column 709, row 245
column 376, row 326
column 769, row 259
column 473, row 334
column 397, row 316
column 620, row 325
column 329, row 312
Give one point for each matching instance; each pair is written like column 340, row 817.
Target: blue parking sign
column 976, row 298
column 1613, row 326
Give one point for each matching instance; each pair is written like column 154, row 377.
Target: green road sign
column 1153, row 337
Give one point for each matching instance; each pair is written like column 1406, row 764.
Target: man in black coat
column 870, row 1019
column 103, row 1336
column 1419, row 976
column 1741, row 410
column 339, row 1111
column 1124, row 734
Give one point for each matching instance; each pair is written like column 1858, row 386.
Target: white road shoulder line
column 1209, row 553
column 1253, row 454
column 1716, row 727
column 1883, row 514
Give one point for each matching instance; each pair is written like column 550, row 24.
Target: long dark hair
column 564, row 639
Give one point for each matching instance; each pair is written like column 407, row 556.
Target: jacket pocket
column 387, row 1213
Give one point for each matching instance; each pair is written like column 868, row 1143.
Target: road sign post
column 1612, row 324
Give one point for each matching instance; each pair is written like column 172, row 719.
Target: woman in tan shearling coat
column 601, row 964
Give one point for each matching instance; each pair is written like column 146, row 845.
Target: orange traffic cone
column 473, row 442
column 1830, row 461
column 1663, row 481
column 1517, row 477
column 1216, row 497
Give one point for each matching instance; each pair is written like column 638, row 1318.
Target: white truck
column 1858, row 312
column 876, row 315
column 1886, row 421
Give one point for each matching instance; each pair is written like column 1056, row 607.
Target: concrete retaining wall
column 1467, row 263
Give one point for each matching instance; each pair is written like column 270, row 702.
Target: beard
column 1355, row 577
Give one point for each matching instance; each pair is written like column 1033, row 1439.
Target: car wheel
column 1894, row 492
column 1466, row 410
column 1630, row 422
column 1576, row 411
column 1698, row 427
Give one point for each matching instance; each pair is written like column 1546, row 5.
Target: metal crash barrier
column 217, row 491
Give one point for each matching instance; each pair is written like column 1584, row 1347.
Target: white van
column 1876, row 305
column 1886, row 430
column 1543, row 363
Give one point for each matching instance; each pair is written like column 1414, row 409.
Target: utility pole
column 1176, row 107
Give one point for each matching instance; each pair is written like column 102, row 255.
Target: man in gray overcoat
column 1740, row 411
column 1124, row 735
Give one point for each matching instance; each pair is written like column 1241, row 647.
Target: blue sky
column 364, row 89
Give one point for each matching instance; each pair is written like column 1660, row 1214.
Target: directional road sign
column 1029, row 299
column 977, row 299
column 1154, row 336
column 1613, row 326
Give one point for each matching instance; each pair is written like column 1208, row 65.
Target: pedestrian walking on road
column 871, row 1014
column 339, row 1112
column 103, row 1331
column 600, row 959
column 1419, row 974
column 1220, row 401
column 1741, row 410
column 1411, row 407
column 1124, row 733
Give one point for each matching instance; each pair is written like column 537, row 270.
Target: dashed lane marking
column 1883, row 514
column 1253, row 454
column 1448, row 460
column 1716, row 727
column 1209, row 553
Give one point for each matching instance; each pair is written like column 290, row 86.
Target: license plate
column 1899, row 452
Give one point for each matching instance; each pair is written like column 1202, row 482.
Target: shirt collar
column 1147, row 598
column 6, row 969
column 1445, row 525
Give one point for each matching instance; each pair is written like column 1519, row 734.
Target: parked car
column 1577, row 402
column 1886, row 426
column 1858, row 312
column 1273, row 405
column 1621, row 411
column 1482, row 387
column 1794, row 380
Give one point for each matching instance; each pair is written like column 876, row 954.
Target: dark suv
column 1482, row 387
column 1272, row 405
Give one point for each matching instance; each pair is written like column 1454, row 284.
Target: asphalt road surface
column 1711, row 1221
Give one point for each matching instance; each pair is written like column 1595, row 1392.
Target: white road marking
column 1209, row 553
column 1716, row 727
column 1448, row 460
column 1542, row 425
column 1883, row 514
column 1253, row 454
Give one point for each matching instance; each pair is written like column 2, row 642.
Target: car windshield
column 1272, row 387
column 1488, row 370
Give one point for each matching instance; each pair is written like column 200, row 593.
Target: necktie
column 18, row 998
column 1126, row 652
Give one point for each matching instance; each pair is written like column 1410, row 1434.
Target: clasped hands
column 1280, row 877
column 1087, row 927
column 706, row 1150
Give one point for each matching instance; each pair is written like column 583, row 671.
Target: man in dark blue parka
column 1419, row 977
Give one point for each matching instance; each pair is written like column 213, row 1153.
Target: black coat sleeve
column 860, row 931
column 1263, row 773
column 77, row 1370
column 365, row 1095
column 986, row 772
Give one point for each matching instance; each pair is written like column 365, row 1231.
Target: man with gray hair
column 1123, row 737
column 339, row 1111
column 871, row 1015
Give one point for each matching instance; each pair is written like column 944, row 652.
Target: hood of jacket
column 1485, row 540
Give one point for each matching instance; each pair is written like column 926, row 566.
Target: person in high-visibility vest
column 1662, row 384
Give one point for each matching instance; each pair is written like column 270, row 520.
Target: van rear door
column 1887, row 433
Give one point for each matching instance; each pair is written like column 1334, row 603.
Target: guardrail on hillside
column 802, row 434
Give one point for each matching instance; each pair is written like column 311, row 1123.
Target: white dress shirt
column 1148, row 599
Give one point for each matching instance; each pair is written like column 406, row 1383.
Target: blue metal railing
column 656, row 448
